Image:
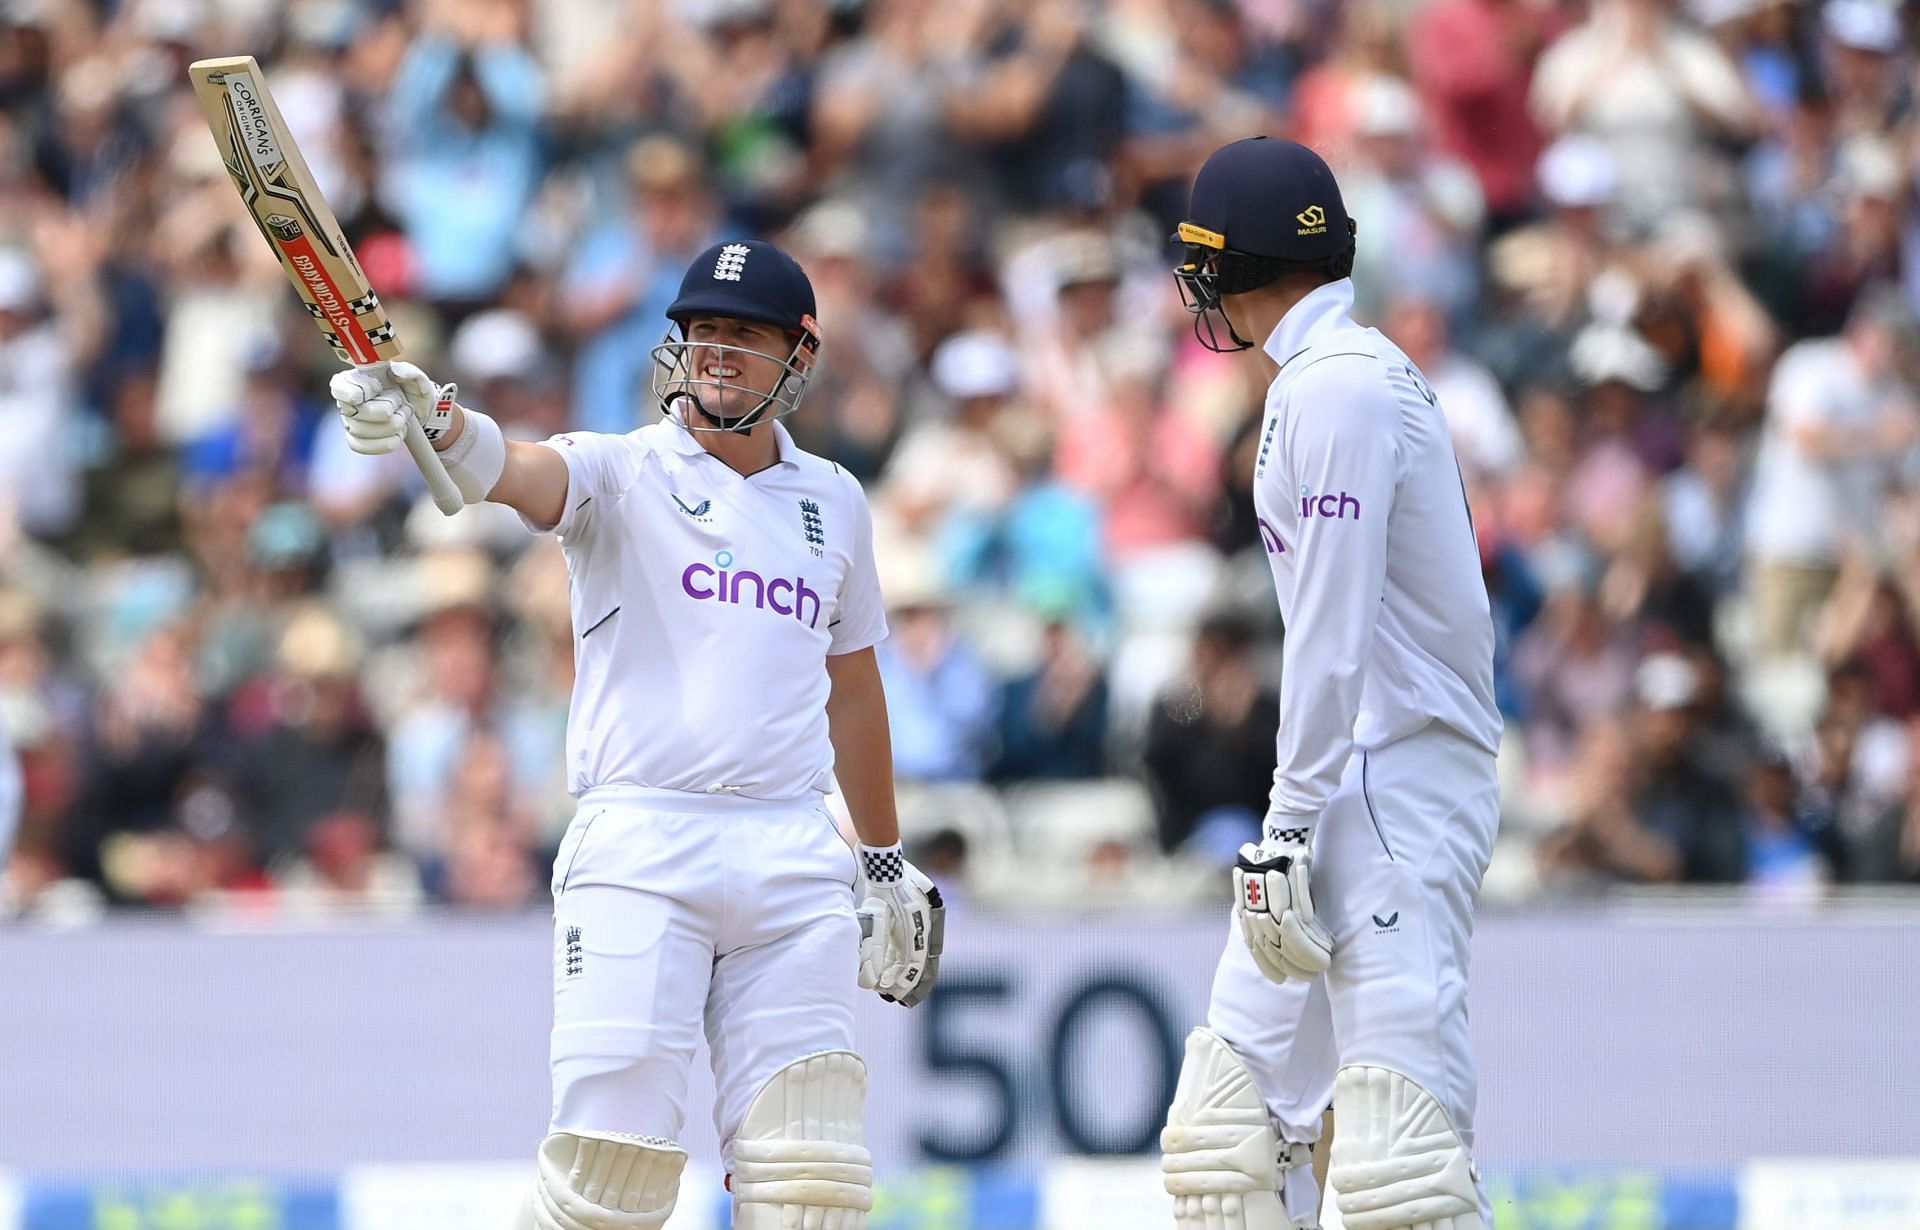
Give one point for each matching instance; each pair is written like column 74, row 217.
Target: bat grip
column 446, row 496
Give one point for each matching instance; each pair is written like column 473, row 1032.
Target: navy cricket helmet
column 1260, row 208
column 745, row 280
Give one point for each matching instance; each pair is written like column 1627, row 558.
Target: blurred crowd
column 1661, row 262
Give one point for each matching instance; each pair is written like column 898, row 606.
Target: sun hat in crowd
column 975, row 363
column 1864, row 25
column 1579, row 172
column 1666, row 681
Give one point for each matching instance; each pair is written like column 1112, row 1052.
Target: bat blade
column 286, row 204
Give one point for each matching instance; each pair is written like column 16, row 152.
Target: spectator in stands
column 623, row 273
column 1424, row 209
column 1209, row 743
column 463, row 699
column 463, row 148
column 1677, row 798
column 1865, row 626
column 1574, row 669
column 1473, row 62
column 150, row 733
column 963, row 181
column 1782, row 861
column 1546, row 271
column 951, row 478
column 1485, row 436
column 1703, row 502
column 854, row 401
column 37, row 402
column 346, row 872
column 1646, row 810
column 1726, row 740
column 1658, row 92
column 1224, row 78
column 318, row 754
column 487, row 858
column 1053, row 721
column 12, row 799
column 1863, row 42
column 1885, row 849
column 1838, row 420
column 940, row 699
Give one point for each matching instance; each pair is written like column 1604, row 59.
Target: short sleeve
column 599, row 466
column 1799, row 396
column 860, row 617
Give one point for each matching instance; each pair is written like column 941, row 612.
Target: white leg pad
column 1397, row 1162
column 800, row 1160
column 1221, row 1160
column 604, row 1181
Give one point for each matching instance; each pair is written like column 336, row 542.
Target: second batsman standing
column 1345, row 980
column 725, row 610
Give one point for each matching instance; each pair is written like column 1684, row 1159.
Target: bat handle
column 446, row 496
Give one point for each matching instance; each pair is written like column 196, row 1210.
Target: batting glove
column 374, row 401
column 1274, row 901
column 903, row 925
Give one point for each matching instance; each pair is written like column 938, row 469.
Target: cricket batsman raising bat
column 280, row 192
column 725, row 610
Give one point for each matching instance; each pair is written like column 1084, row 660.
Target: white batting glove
column 903, row 926
column 374, row 401
column 1274, row 901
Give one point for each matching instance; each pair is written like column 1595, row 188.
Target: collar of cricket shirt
column 1317, row 309
column 686, row 445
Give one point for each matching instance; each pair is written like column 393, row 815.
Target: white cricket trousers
column 675, row 912
column 1397, row 861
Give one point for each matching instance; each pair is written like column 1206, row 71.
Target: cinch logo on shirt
column 1328, row 506
column 714, row 583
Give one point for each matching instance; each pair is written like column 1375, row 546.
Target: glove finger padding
column 431, row 403
column 1262, row 936
column 376, row 426
column 355, row 385
column 880, row 950
column 418, row 386
column 1274, row 902
column 902, row 932
column 1302, row 937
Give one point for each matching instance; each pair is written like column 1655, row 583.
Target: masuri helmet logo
column 1312, row 220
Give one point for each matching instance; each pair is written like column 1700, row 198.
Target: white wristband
column 478, row 458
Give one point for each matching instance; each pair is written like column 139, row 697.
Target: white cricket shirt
column 1803, row 509
column 1366, row 526
column 705, row 605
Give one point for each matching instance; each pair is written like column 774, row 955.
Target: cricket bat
column 280, row 192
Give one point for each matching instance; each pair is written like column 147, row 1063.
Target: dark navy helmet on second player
column 745, row 280
column 1260, row 208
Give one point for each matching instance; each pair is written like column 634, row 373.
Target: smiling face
column 735, row 365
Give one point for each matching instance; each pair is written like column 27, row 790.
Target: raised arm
column 533, row 479
column 375, row 400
